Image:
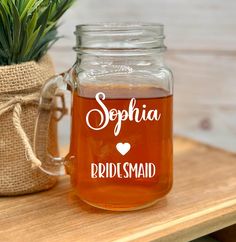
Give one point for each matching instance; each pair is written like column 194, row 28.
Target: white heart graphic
column 123, row 148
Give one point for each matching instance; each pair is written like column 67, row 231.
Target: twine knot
column 15, row 103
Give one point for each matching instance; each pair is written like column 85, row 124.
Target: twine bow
column 15, row 103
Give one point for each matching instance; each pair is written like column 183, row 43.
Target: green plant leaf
column 3, row 41
column 6, row 23
column 28, row 28
column 35, row 6
column 28, row 6
column 16, row 31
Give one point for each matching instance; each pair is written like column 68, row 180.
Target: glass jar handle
column 50, row 164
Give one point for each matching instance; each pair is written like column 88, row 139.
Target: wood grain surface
column 201, row 38
column 202, row 201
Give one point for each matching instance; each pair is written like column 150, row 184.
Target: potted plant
column 28, row 28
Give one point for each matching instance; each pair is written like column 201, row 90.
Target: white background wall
column 201, row 37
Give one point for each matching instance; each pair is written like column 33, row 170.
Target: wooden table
column 203, row 200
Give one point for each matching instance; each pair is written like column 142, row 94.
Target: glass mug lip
column 120, row 35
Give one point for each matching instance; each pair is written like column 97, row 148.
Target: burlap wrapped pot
column 19, row 95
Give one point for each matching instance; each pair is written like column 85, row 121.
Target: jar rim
column 119, row 26
column 120, row 36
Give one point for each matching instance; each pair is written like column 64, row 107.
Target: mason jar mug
column 120, row 155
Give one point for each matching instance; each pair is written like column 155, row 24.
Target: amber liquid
column 151, row 141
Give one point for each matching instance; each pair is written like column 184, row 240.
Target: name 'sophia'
column 133, row 114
